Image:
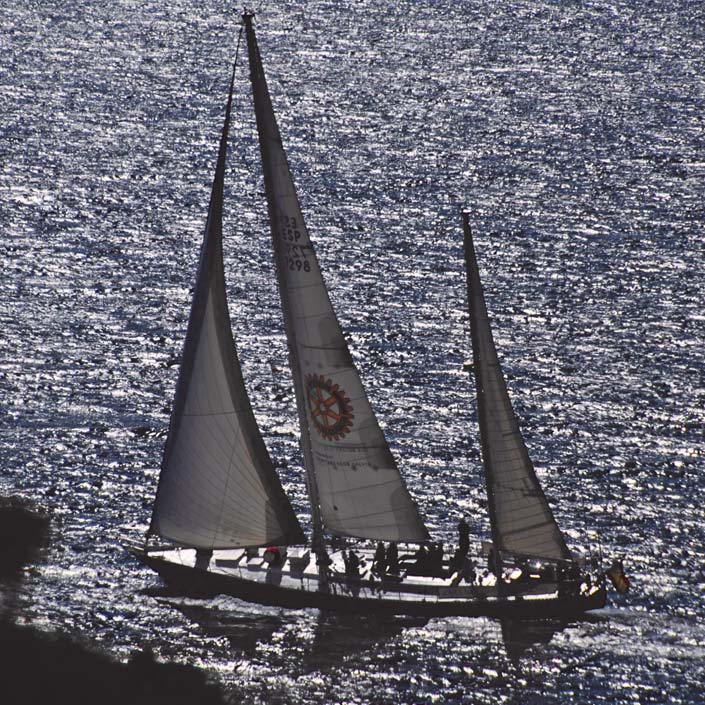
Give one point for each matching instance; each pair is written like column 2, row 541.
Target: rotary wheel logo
column 330, row 409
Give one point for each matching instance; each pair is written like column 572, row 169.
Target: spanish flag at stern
column 616, row 574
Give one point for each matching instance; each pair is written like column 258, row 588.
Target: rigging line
column 232, row 81
column 219, row 521
column 237, row 47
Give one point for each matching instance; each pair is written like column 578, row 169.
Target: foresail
column 522, row 521
column 218, row 487
column 358, row 486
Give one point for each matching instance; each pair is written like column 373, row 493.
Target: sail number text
column 296, row 259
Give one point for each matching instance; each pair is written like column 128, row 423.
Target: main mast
column 266, row 125
column 355, row 486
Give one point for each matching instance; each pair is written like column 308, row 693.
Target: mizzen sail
column 522, row 521
column 352, row 475
column 218, row 487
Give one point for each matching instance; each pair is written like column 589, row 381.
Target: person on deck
column 436, row 560
column 464, row 537
column 392, row 559
column 352, row 564
column 421, row 560
column 492, row 565
column 456, row 561
column 273, row 556
column 379, row 565
column 203, row 558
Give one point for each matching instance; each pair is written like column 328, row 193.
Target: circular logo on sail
column 329, row 408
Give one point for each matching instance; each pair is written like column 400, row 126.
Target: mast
column 521, row 519
column 472, row 275
column 355, row 486
column 263, row 106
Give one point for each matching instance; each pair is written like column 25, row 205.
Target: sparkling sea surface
column 573, row 132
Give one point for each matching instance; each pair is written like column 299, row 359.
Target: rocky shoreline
column 40, row 667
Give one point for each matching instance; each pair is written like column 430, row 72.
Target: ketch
column 222, row 521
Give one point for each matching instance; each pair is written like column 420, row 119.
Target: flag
column 619, row 579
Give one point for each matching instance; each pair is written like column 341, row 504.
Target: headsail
column 352, row 474
column 218, row 487
column 522, row 521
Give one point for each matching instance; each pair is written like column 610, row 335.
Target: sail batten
column 217, row 486
column 354, row 483
column 521, row 519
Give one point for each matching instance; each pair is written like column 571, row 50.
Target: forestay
column 218, row 487
column 522, row 521
column 357, row 484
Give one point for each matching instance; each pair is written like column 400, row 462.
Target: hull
column 416, row 597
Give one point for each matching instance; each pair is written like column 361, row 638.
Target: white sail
column 522, row 521
column 218, row 487
column 352, row 474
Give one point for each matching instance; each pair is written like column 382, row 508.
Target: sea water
column 573, row 133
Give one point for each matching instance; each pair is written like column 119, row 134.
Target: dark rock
column 50, row 668
column 24, row 532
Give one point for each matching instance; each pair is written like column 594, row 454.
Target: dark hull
column 194, row 580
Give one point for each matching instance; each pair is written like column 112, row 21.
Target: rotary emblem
column 329, row 408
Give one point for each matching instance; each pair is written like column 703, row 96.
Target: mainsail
column 218, row 487
column 522, row 521
column 352, row 475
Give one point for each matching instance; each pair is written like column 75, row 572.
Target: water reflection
column 306, row 641
column 520, row 635
column 337, row 637
column 244, row 629
column 303, row 641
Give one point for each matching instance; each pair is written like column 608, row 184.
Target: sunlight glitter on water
column 573, row 134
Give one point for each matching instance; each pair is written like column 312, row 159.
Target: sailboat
column 222, row 521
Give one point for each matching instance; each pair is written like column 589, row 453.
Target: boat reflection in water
column 314, row 641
